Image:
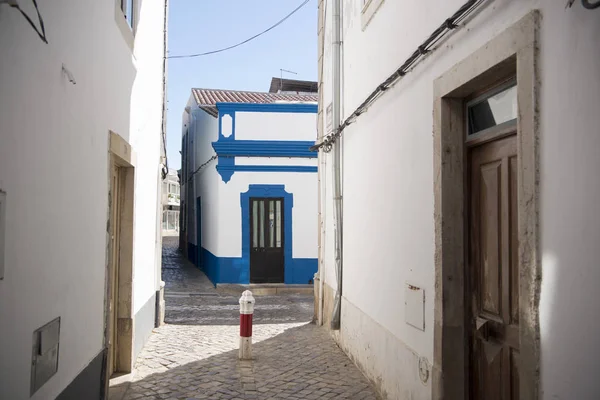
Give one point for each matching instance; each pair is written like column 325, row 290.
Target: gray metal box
column 44, row 355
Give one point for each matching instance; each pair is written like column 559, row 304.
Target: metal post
column 246, row 311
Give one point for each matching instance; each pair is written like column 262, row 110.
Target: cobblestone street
column 194, row 355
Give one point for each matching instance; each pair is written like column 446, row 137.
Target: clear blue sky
column 196, row 26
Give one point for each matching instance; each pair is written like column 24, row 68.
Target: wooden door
column 114, row 269
column 267, row 240
column 493, row 270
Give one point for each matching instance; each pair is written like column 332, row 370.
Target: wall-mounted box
column 44, row 355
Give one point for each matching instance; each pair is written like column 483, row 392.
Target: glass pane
column 495, row 110
column 271, row 223
column 254, row 224
column 164, row 219
column 278, row 223
column 261, row 224
column 176, row 220
column 171, row 220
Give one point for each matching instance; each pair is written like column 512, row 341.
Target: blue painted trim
column 264, row 148
column 271, row 107
column 227, row 170
column 234, row 270
column 269, row 191
column 232, row 136
column 224, row 269
column 274, row 168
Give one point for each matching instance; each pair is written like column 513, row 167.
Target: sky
column 197, row 26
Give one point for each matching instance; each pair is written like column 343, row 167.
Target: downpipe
column 337, row 184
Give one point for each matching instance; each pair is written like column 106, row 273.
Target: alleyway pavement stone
column 194, row 355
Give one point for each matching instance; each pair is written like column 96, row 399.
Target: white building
column 249, row 186
column 470, row 224
column 81, row 117
column 171, row 201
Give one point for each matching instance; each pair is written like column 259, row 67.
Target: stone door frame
column 513, row 52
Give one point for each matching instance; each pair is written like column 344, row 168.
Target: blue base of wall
column 237, row 270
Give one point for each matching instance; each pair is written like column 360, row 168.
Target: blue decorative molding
column 228, row 168
column 264, row 148
column 237, row 269
column 274, row 168
column 227, row 148
column 230, row 108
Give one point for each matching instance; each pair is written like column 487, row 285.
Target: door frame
column 281, row 249
column 120, row 155
column 267, row 191
column 514, row 52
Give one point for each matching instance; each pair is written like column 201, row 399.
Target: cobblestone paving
column 194, row 356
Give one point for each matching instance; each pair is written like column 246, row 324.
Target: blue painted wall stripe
column 264, row 148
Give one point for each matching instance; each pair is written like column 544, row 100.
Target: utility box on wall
column 44, row 358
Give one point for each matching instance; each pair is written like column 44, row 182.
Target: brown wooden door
column 493, row 270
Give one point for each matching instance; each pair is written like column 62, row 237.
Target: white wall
column 304, row 214
column 205, row 130
column 388, row 183
column 221, row 208
column 145, row 138
column 53, row 166
column 275, row 126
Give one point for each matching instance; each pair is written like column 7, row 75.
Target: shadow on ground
column 303, row 362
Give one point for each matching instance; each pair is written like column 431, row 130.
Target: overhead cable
column 42, row 31
column 204, row 164
column 245, row 41
column 447, row 26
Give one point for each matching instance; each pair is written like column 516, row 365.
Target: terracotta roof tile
column 208, row 98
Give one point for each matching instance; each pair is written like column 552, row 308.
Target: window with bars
column 267, row 223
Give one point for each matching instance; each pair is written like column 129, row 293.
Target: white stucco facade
column 221, row 183
column 58, row 102
column 388, row 186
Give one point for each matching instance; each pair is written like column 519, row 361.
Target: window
column 369, row 8
column 173, row 188
column 496, row 108
column 128, row 11
column 171, row 220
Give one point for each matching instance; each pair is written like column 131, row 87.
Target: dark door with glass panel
column 266, row 240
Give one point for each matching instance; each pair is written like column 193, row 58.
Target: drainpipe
column 321, row 165
column 337, row 184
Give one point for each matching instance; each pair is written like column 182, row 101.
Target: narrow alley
column 194, row 355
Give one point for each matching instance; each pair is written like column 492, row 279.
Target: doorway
column 115, row 230
column 267, row 240
column 118, row 333
column 486, row 221
column 492, row 274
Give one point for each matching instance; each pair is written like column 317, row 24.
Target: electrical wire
column 41, row 34
column 214, row 157
column 245, row 41
column 447, row 26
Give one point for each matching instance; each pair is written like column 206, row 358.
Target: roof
column 208, row 98
column 293, row 85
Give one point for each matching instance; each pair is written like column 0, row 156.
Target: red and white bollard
column 246, row 310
